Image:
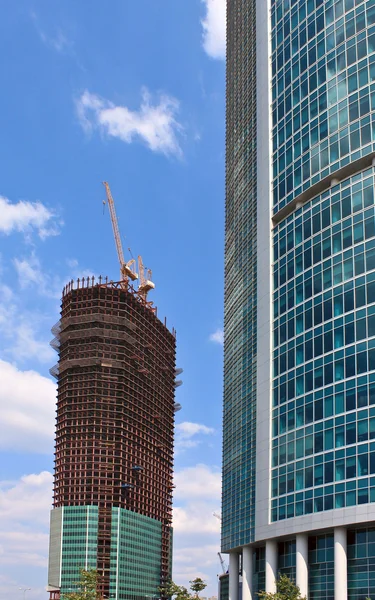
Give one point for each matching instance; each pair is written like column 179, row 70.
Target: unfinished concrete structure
column 114, row 442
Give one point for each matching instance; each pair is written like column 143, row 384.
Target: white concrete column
column 271, row 566
column 302, row 557
column 233, row 575
column 341, row 567
column 247, row 573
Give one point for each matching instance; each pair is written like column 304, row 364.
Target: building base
column 337, row 564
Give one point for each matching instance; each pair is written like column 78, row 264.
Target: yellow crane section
column 145, row 283
column 127, row 269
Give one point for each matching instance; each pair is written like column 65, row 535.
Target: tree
column 286, row 590
column 87, row 586
column 172, row 590
column 197, row 585
column 179, row 592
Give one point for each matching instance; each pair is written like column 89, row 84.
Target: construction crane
column 215, row 514
column 145, row 283
column 127, row 269
column 222, row 563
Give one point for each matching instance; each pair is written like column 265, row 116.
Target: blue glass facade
column 259, row 570
column 323, row 415
column 299, row 391
column 323, row 66
column 287, row 558
column 361, row 563
column 321, row 567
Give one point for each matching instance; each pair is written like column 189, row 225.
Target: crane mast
column 126, row 268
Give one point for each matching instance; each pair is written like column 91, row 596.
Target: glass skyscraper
column 299, row 373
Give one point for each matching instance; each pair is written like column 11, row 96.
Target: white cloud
column 26, row 548
column 6, row 294
column 218, row 337
column 214, row 28
column 29, row 497
column 196, row 530
column 72, row 263
column 195, row 519
column 26, row 345
column 155, row 124
column 24, row 217
column 58, row 41
column 9, row 586
column 188, row 429
column 187, row 559
column 30, row 272
column 198, row 482
column 197, row 496
column 24, row 524
column 187, row 435
column 27, row 406
column 19, row 330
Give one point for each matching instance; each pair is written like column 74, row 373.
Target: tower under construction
column 112, row 507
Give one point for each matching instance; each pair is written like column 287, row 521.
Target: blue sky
column 132, row 93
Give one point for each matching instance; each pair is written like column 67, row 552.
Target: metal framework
column 115, row 410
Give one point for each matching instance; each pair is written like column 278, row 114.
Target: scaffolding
column 115, row 410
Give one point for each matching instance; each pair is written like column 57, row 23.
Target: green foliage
column 87, row 584
column 286, row 590
column 197, row 585
column 172, row 590
column 179, row 592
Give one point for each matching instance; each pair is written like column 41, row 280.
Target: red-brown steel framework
column 115, row 410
